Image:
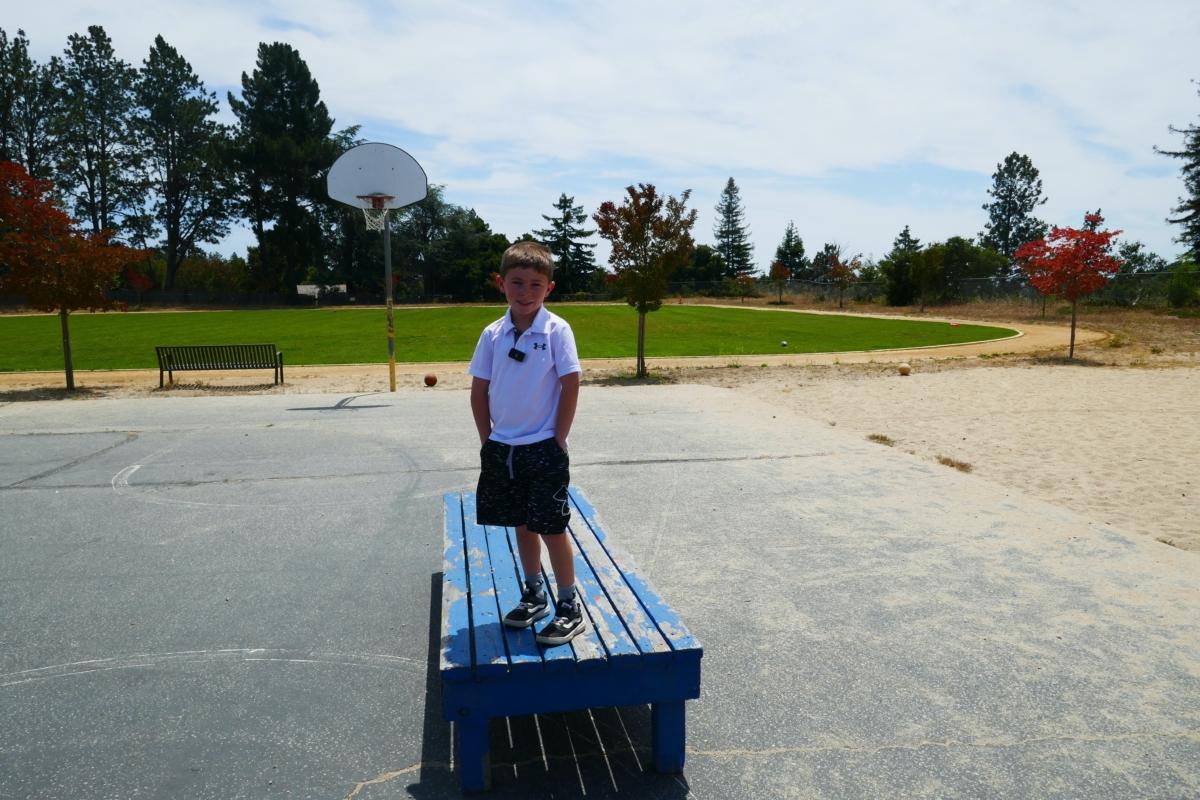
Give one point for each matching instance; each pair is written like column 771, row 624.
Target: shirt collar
column 540, row 324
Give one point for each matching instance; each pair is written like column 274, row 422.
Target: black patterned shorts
column 524, row 484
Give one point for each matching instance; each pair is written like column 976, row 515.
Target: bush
column 1184, row 287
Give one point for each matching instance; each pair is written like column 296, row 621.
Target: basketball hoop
column 375, row 210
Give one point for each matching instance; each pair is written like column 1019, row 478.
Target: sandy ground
column 1111, row 435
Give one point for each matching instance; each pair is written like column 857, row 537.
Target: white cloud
column 516, row 102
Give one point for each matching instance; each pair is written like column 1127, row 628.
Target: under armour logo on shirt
column 539, row 345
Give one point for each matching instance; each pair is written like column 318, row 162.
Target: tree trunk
column 1071, row 352
column 1043, row 306
column 841, row 295
column 66, row 336
column 641, row 353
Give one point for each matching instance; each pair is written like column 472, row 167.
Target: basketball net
column 375, row 214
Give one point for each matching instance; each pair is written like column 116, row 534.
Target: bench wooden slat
column 612, row 589
column 589, row 653
column 664, row 617
column 506, row 576
column 490, row 654
column 456, row 619
column 554, row 659
column 604, row 618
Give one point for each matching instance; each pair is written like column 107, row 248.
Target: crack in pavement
column 129, row 437
column 391, row 775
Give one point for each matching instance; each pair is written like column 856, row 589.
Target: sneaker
column 567, row 624
column 533, row 606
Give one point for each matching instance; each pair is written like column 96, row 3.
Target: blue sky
column 852, row 119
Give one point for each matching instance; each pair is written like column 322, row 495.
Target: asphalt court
column 236, row 597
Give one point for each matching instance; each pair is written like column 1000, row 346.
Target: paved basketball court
column 236, row 597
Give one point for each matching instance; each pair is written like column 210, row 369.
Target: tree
column 823, row 261
column 843, row 274
column 650, row 237
column 99, row 163
column 733, row 239
column 281, row 151
column 1188, row 211
column 29, row 99
column 963, row 261
column 46, row 260
column 1071, row 263
column 1016, row 193
column 705, row 267
column 926, row 269
column 779, row 276
column 184, row 155
column 897, row 269
column 29, row 96
column 791, row 254
column 564, row 236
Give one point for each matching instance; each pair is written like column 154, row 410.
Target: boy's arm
column 567, row 400
column 480, row 409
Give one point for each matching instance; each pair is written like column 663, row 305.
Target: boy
column 524, row 389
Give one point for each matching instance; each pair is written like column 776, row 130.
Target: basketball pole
column 387, row 271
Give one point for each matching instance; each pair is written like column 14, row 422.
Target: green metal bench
column 184, row 357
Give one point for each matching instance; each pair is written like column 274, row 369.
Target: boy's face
column 525, row 289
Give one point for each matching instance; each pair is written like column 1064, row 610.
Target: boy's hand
column 562, row 443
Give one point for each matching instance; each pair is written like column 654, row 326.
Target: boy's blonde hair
column 533, row 255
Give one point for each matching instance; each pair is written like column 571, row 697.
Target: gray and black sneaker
column 567, row 624
column 533, row 606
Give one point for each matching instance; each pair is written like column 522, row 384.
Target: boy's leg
column 534, row 601
column 529, row 547
column 562, row 559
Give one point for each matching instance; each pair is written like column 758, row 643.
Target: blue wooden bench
column 636, row 650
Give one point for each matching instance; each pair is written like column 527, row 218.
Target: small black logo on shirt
column 539, row 345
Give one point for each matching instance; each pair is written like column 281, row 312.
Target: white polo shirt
column 523, row 395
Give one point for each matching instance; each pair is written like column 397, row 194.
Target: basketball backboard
column 375, row 169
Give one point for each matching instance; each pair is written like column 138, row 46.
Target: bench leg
column 668, row 732
column 474, row 760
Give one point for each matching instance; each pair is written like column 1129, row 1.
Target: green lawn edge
column 309, row 337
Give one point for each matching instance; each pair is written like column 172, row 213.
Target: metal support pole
column 387, row 262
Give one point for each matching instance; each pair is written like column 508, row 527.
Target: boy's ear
column 550, row 287
column 499, row 281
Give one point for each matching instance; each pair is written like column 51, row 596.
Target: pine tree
column 1016, row 193
column 1188, row 210
column 790, row 253
column 99, row 160
column 575, row 262
column 823, row 261
column 183, row 147
column 732, row 237
column 30, row 97
column 897, row 268
column 282, row 148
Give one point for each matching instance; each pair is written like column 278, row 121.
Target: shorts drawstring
column 511, row 476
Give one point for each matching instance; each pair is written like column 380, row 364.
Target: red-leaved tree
column 45, row 259
column 842, row 275
column 1070, row 263
column 651, row 237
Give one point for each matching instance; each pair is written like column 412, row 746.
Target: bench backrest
column 217, row 356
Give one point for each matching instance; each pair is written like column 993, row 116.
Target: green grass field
column 353, row 336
